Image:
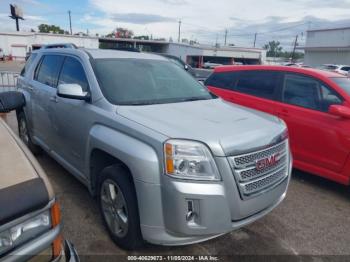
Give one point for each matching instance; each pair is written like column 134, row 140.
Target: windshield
column 145, row 81
column 343, row 83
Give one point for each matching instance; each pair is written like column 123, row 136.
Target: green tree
column 274, row 48
column 44, row 28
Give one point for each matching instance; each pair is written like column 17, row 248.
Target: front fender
column 141, row 158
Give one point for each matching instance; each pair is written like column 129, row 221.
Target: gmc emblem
column 267, row 162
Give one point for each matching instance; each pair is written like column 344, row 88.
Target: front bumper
column 218, row 207
column 161, row 236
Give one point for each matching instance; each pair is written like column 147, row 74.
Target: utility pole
column 295, row 45
column 70, row 22
column 225, row 36
column 255, row 35
column 179, row 36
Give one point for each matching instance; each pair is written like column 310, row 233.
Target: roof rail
column 64, row 45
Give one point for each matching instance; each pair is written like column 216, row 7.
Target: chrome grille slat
column 249, row 159
column 252, row 173
column 251, row 180
column 263, row 182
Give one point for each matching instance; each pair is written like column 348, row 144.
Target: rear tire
column 24, row 135
column 119, row 208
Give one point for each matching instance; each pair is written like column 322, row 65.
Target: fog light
column 190, row 215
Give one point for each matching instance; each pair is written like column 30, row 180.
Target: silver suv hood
column 228, row 129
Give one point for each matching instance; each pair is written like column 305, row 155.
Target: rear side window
column 225, row 80
column 73, row 73
column 258, row 83
column 28, row 63
column 48, row 70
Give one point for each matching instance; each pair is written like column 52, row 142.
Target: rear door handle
column 53, row 99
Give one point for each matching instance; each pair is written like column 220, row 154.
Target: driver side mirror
column 339, row 110
column 72, row 91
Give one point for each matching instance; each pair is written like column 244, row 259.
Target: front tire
column 24, row 135
column 119, row 208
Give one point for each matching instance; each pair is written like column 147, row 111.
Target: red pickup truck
column 315, row 104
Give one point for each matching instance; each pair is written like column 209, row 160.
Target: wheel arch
column 108, row 146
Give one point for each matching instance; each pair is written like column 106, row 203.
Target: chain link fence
column 8, row 81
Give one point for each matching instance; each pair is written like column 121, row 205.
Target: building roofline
column 323, row 48
column 45, row 34
column 198, row 46
column 328, row 29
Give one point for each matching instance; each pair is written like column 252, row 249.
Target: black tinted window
column 224, row 80
column 73, row 73
column 302, row 91
column 28, row 63
column 257, row 83
column 48, row 70
column 329, row 97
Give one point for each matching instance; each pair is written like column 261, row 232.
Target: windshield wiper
column 195, row 98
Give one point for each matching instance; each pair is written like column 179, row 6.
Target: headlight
column 189, row 160
column 24, row 231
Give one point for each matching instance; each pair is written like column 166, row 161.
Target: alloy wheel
column 114, row 208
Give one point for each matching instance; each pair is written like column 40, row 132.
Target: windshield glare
column 145, row 81
column 343, row 83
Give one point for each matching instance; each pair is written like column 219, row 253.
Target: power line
column 272, row 31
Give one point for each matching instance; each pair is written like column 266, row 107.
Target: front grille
column 252, row 180
column 248, row 159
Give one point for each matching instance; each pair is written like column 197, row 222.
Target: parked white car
column 210, row 65
column 341, row 69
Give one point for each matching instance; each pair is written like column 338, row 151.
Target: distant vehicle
column 210, row 65
column 199, row 74
column 168, row 161
column 315, row 104
column 178, row 62
column 30, row 222
column 297, row 65
column 340, row 69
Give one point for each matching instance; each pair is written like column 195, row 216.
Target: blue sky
column 202, row 20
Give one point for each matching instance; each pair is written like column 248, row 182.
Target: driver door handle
column 53, row 99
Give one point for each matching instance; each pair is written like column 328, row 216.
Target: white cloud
column 202, row 19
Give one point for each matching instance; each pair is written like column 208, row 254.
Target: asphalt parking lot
column 313, row 220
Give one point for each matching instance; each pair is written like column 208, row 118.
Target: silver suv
column 169, row 162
